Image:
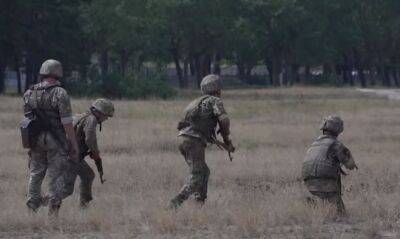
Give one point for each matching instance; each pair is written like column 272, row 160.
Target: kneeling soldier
column 85, row 129
column 322, row 164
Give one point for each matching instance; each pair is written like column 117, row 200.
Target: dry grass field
column 258, row 195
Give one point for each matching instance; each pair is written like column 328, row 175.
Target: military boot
column 32, row 208
column 175, row 203
column 45, row 201
column 84, row 204
column 53, row 211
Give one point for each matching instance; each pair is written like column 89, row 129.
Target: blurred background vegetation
column 149, row 48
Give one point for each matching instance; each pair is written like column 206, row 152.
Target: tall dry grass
column 258, row 195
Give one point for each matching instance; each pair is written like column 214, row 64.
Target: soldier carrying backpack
column 48, row 132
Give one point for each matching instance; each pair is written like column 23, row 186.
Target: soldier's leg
column 194, row 157
column 37, row 172
column 333, row 198
column 336, row 199
column 201, row 195
column 86, row 176
column 70, row 178
column 57, row 166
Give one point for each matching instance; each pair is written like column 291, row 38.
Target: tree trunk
column 185, row 73
column 373, row 72
column 277, row 69
column 124, row 61
column 192, row 66
column 327, row 71
column 104, row 63
column 241, row 72
column 28, row 72
column 361, row 75
column 2, row 77
column 217, row 62
column 270, row 69
column 295, row 74
column 206, row 65
column 17, row 66
column 178, row 68
column 286, row 74
column 198, row 65
column 386, row 76
column 395, row 77
column 247, row 74
column 307, row 72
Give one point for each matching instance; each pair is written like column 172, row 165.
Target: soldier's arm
column 64, row 107
column 90, row 134
column 344, row 156
column 223, row 122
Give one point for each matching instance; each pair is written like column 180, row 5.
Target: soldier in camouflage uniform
column 322, row 164
column 55, row 143
column 197, row 128
column 85, row 128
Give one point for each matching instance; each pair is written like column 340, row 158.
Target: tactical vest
column 40, row 102
column 317, row 164
column 200, row 118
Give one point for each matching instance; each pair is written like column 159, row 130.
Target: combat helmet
column 104, row 106
column 51, row 68
column 333, row 124
column 210, row 84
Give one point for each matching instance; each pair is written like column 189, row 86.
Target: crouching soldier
column 85, row 128
column 197, row 128
column 322, row 164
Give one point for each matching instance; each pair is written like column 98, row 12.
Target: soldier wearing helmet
column 85, row 128
column 196, row 129
column 321, row 170
column 48, row 104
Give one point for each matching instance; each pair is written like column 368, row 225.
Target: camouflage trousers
column 46, row 157
column 86, row 176
column 193, row 150
column 333, row 198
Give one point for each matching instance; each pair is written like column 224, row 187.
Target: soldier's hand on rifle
column 229, row 146
column 94, row 156
column 97, row 159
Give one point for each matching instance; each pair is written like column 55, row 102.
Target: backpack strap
column 41, row 113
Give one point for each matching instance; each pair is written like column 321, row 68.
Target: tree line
column 352, row 41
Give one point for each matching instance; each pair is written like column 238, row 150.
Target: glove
column 229, row 145
column 94, row 156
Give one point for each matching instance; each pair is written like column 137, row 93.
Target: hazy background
column 140, row 48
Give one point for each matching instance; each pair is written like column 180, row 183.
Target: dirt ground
column 258, row 195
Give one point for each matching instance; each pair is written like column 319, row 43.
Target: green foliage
column 114, row 86
column 152, row 87
column 320, row 80
column 346, row 36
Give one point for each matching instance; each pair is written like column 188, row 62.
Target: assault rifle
column 99, row 163
column 223, row 146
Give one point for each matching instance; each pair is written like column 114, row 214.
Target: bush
column 151, row 87
column 132, row 87
column 320, row 80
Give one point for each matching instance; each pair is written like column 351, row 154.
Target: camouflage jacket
column 321, row 167
column 202, row 123
column 85, row 129
column 53, row 101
